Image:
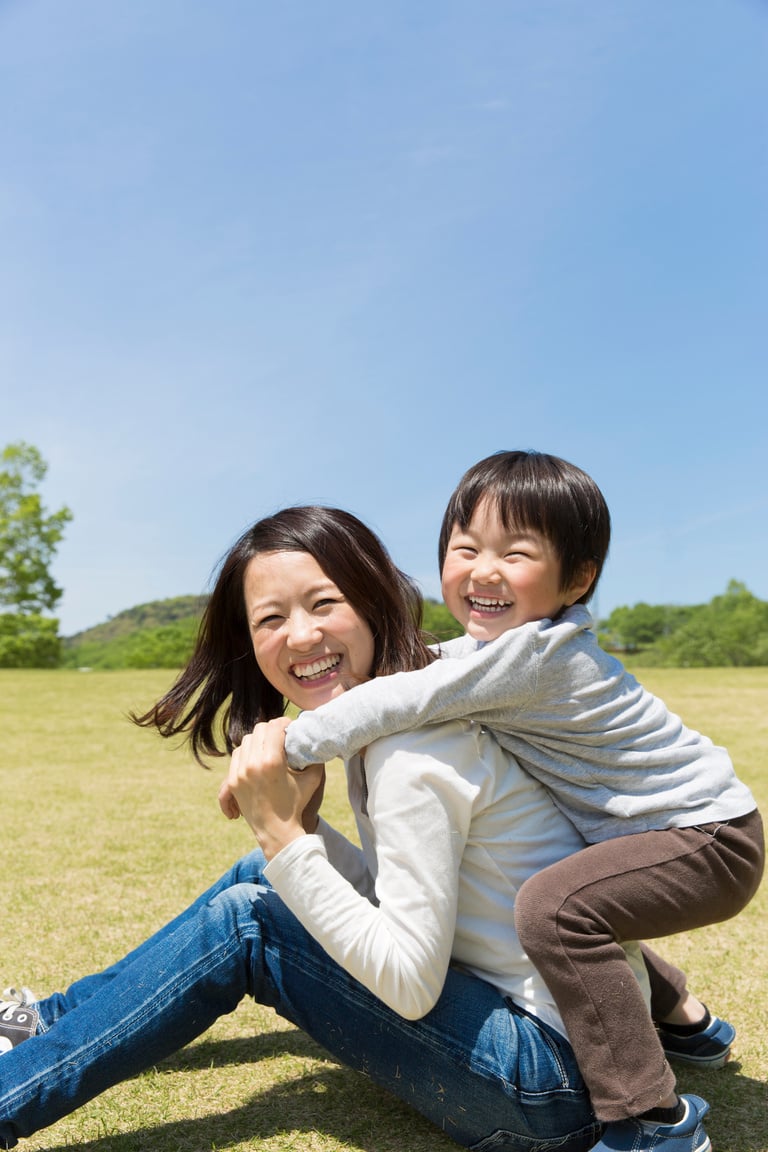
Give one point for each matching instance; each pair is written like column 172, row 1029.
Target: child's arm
column 487, row 684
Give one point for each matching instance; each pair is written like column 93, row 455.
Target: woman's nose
column 303, row 631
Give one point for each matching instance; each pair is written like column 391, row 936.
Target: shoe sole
column 724, row 1036
column 713, row 1062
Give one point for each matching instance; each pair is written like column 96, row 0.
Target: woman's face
column 308, row 640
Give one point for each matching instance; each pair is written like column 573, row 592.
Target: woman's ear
column 580, row 584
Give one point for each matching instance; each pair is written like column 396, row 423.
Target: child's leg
column 672, row 1002
column 668, row 984
column 572, row 917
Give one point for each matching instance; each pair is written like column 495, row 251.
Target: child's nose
column 486, row 570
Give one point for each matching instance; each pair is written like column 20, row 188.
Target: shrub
column 29, row 641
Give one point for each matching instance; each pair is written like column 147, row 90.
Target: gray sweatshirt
column 615, row 759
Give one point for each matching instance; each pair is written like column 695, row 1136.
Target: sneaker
column 636, row 1135
column 17, row 1022
column 20, row 995
column 709, row 1048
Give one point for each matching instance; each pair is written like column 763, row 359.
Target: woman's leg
column 482, row 1070
column 572, row 917
column 470, row 1065
column 247, row 870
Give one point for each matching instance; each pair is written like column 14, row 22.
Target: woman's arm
column 346, row 858
column 419, row 810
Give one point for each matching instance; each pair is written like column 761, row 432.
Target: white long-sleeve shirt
column 615, row 759
column 450, row 827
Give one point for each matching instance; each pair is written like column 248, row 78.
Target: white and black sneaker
column 21, row 995
column 17, row 1022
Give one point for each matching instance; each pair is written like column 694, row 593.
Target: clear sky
column 255, row 254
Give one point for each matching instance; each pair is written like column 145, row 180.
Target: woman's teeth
column 316, row 668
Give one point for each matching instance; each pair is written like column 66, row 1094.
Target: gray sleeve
column 478, row 685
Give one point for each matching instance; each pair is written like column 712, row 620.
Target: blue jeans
column 487, row 1074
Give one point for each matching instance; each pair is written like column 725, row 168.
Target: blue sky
column 257, row 254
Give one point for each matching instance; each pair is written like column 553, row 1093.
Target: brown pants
column 573, row 916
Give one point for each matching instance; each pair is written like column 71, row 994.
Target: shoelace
column 9, row 1008
column 24, row 997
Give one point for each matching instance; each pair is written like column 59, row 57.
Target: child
column 674, row 838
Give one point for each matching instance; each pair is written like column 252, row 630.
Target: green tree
column 642, row 625
column 29, row 535
column 29, row 641
column 438, row 622
column 729, row 632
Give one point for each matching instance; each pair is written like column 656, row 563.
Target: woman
column 400, row 959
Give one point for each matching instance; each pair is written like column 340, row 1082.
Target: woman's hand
column 278, row 804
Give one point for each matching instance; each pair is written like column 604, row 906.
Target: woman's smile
column 317, row 670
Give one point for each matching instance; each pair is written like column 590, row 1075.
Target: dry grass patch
column 108, row 832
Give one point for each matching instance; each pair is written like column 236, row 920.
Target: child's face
column 494, row 579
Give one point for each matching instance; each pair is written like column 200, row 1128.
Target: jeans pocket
column 502, row 1141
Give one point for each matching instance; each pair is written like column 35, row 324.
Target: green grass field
column 107, row 832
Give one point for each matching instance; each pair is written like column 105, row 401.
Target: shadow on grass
column 738, row 1117
column 344, row 1106
column 246, row 1050
column 331, row 1100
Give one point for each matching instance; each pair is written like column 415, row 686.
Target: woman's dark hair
column 541, row 493
column 222, row 672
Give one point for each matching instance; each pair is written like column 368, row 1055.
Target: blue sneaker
column 710, row 1048
column 635, row 1135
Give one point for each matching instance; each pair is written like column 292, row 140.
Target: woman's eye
column 328, row 602
column 266, row 620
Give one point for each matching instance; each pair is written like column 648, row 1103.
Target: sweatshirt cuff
column 296, row 756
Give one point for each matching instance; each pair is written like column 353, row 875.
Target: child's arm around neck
column 489, row 684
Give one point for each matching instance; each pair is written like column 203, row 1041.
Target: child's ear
column 580, row 583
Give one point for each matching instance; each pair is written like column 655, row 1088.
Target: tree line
column 162, row 635
column 730, row 631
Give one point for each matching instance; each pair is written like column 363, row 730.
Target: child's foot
column 637, row 1135
column 17, row 1022
column 707, row 1047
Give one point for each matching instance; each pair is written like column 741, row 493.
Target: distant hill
column 162, row 634
column 156, row 614
column 730, row 631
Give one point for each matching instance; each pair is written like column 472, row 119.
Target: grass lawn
column 108, row 832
